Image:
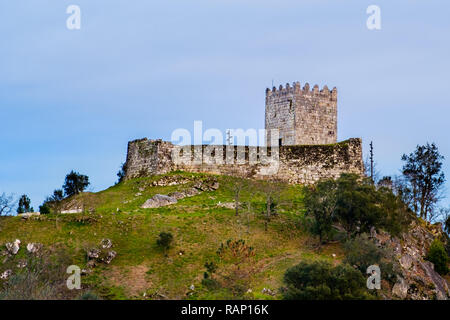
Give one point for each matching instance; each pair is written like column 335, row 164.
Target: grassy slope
column 199, row 227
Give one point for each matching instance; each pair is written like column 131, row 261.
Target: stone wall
column 300, row 164
column 301, row 115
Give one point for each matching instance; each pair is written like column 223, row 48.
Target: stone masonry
column 303, row 116
column 307, row 123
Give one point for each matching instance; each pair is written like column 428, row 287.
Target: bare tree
column 7, row 204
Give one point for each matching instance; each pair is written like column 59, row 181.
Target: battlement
column 302, row 115
column 296, row 89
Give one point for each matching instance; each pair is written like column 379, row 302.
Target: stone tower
column 302, row 116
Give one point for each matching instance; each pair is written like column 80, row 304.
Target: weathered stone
column 13, row 247
column 6, row 274
column 400, row 289
column 159, row 200
column 106, row 243
column 307, row 122
column 34, row 247
column 302, row 116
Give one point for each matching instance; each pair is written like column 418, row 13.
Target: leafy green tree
column 424, row 176
column 44, row 208
column 438, row 255
column 321, row 281
column 75, row 183
column 24, row 204
column 447, row 225
column 363, row 252
column 320, row 203
column 357, row 209
column 121, row 172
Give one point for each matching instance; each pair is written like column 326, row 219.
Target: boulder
column 159, row 200
column 34, row 247
column 6, row 274
column 400, row 289
column 418, row 279
column 13, row 247
column 106, row 243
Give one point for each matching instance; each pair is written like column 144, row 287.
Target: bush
column 165, row 240
column 362, row 253
column 44, row 209
column 357, row 205
column 438, row 255
column 89, row 296
column 321, row 281
column 320, row 203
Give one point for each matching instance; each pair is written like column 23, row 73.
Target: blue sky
column 72, row 99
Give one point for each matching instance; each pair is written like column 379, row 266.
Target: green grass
column 199, row 227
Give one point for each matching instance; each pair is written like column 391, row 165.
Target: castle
column 305, row 146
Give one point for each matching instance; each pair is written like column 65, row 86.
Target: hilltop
column 200, row 224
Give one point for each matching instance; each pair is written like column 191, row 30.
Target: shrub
column 165, row 240
column 321, row 281
column 357, row 205
column 89, row 296
column 320, row 203
column 44, row 209
column 438, row 255
column 362, row 253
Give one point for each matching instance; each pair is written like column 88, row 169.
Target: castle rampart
column 304, row 164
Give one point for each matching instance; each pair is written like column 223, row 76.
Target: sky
column 72, row 99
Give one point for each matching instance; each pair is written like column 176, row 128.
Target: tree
column 53, row 202
column 357, row 208
column 447, row 225
column 423, row 173
column 438, row 256
column 121, row 172
column 321, row 281
column 165, row 240
column 6, row 204
column 24, row 204
column 75, row 183
column 320, row 202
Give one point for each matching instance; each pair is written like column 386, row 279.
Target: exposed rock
column 6, row 274
column 418, row 279
column 400, row 289
column 13, row 247
column 159, row 200
column 77, row 210
column 177, row 195
column 27, row 215
column 268, row 291
column 170, row 181
column 101, row 255
column 106, row 243
column 94, row 253
column 109, row 257
column 228, row 205
column 34, row 247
